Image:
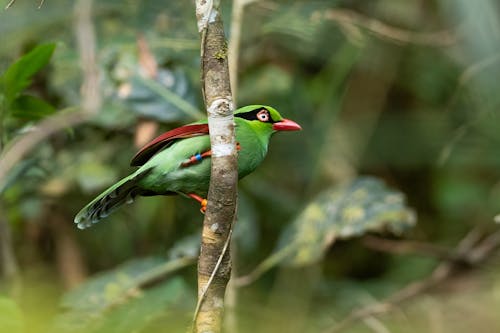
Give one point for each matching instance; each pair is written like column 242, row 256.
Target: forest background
column 380, row 216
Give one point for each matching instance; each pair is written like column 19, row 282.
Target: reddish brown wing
column 166, row 139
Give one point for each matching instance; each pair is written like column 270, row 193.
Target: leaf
column 110, row 287
column 18, row 171
column 142, row 310
column 115, row 301
column 31, row 108
column 135, row 314
column 18, row 76
column 11, row 319
column 362, row 206
column 169, row 98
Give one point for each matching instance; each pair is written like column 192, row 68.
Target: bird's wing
column 166, row 139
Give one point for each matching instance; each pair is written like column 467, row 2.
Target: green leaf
column 140, row 310
column 19, row 75
column 362, row 206
column 18, row 171
column 31, row 108
column 143, row 309
column 168, row 98
column 10, row 316
column 117, row 301
column 110, row 288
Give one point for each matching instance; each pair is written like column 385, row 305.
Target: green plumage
column 163, row 173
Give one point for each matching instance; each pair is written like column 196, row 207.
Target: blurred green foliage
column 14, row 104
column 403, row 91
column 11, row 319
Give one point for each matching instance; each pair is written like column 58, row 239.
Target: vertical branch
column 234, row 42
column 214, row 267
column 85, row 37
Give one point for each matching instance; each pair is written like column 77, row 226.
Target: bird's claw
column 203, row 208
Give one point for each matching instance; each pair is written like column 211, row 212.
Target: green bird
column 178, row 161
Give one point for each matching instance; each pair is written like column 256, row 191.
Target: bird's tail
column 120, row 193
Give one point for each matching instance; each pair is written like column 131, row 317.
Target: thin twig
column 232, row 294
column 465, row 78
column 11, row 2
column 265, row 265
column 487, row 246
column 408, row 246
column 471, row 249
column 24, row 144
column 349, row 20
column 375, row 325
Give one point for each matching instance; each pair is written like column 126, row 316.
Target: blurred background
column 378, row 217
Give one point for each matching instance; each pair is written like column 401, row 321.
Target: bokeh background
column 382, row 210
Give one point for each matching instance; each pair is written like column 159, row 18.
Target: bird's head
column 266, row 118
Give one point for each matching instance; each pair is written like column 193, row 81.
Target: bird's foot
column 203, row 202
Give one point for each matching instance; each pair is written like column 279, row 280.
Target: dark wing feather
column 167, row 139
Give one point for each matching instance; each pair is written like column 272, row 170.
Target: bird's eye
column 263, row 115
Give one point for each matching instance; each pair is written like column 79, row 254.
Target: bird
column 178, row 161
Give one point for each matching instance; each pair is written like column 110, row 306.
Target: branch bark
column 214, row 266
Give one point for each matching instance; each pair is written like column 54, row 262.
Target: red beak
column 286, row 125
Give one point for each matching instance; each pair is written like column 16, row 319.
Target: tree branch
column 234, row 42
column 214, row 265
column 472, row 250
column 350, row 21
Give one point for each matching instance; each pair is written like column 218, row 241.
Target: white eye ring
column 263, row 116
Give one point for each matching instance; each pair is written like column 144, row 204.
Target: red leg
column 199, row 157
column 202, row 201
column 196, row 158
